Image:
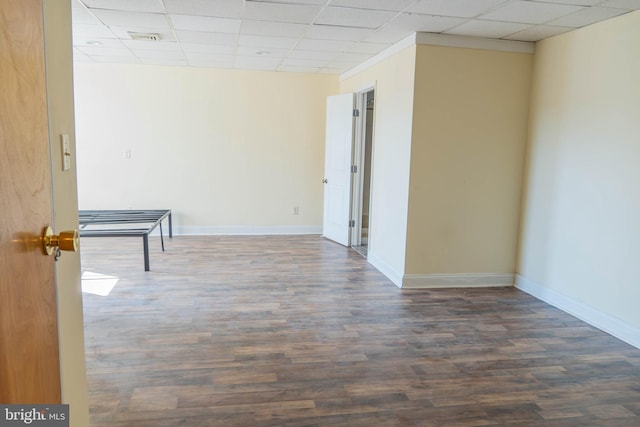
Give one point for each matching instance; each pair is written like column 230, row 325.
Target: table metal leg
column 161, row 238
column 170, row 226
column 145, row 246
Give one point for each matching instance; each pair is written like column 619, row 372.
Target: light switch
column 66, row 152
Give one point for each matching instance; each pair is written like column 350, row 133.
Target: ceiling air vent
column 149, row 37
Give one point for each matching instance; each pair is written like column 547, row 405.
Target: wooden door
column 29, row 360
column 337, row 168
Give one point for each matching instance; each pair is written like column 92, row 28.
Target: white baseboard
column 386, row 269
column 465, row 280
column 246, row 230
column 609, row 324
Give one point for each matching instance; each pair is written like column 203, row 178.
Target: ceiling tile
column 86, row 30
column 537, row 32
column 105, row 51
column 529, row 12
column 622, row 4
column 323, row 45
column 366, row 47
column 79, row 41
column 296, row 13
column 278, row 42
column 311, row 54
column 116, row 59
column 457, row 8
column 350, row 17
column 81, row 15
column 573, row 2
column 489, row 29
column 316, row 2
column 210, row 57
column 330, row 32
column 295, row 62
column 389, row 34
column 154, row 6
column 165, row 62
column 587, row 16
column 273, row 52
column 425, row 23
column 123, row 32
column 394, row 5
column 273, row 29
column 207, row 48
column 126, row 19
column 257, row 63
column 158, row 54
column 292, row 69
column 205, row 23
column 207, row 38
column 219, row 8
column 350, row 57
column 211, row 63
column 151, row 45
column 80, row 56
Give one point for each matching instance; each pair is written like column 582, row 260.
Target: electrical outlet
column 127, row 153
column 296, row 210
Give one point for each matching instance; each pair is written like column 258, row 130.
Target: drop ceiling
column 319, row 36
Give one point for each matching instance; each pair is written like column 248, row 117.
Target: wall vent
column 150, row 37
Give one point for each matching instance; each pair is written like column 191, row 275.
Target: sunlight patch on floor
column 98, row 284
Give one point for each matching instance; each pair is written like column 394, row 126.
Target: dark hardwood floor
column 299, row 331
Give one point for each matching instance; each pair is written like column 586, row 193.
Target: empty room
column 322, row 212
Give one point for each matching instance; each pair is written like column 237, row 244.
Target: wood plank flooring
column 298, row 331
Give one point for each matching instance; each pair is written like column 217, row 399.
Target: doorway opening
column 363, row 156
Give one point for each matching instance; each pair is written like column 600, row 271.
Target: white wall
column 581, row 230
column 228, row 151
column 467, row 159
column 394, row 83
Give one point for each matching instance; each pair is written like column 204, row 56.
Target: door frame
column 359, row 161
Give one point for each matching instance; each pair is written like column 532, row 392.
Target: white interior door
column 337, row 168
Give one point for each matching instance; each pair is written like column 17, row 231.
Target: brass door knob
column 65, row 241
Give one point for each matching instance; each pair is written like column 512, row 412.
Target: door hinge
column 352, row 223
column 356, row 112
column 354, row 169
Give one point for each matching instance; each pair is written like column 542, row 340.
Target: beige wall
column 467, row 156
column 394, row 85
column 226, row 150
column 580, row 228
column 57, row 20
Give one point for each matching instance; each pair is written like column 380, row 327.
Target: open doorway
column 363, row 161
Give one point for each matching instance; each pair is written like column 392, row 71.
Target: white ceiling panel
column 278, row 42
column 219, row 8
column 208, row 48
column 158, row 54
column 393, row 5
column 365, row 47
column 350, row 17
column 269, row 52
column 312, row 54
column 425, row 23
column 530, row 12
column 537, row 32
column 86, row 30
column 295, row 13
column 488, row 29
column 205, row 23
column 323, row 45
column 207, row 38
column 587, row 16
column 165, row 62
column 154, row 6
column 151, row 45
column 326, row 36
column 457, row 8
column 273, row 29
column 330, row 32
column 622, row 4
column 129, row 19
